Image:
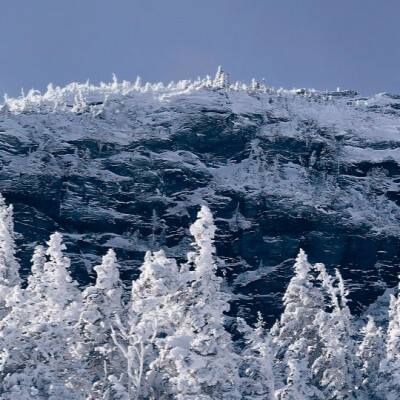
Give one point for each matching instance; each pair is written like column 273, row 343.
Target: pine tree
column 59, row 288
column 336, row 367
column 255, row 85
column 37, row 333
column 101, row 306
column 221, row 79
column 390, row 366
column 299, row 380
column 14, row 350
column 256, row 365
column 149, row 321
column 302, row 300
column 51, row 311
column 37, row 271
column 200, row 348
column 17, row 350
column 8, row 264
column 371, row 353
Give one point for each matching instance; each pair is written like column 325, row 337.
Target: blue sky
column 319, row 44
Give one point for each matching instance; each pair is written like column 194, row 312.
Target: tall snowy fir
column 149, row 317
column 221, row 79
column 200, row 347
column 390, row 365
column 40, row 363
column 9, row 266
column 302, row 301
column 256, row 366
column 371, row 352
column 101, row 305
column 336, row 365
column 299, row 380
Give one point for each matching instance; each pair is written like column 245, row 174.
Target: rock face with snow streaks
column 126, row 166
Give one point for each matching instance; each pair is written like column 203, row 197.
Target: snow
column 59, row 342
column 134, row 111
column 115, row 114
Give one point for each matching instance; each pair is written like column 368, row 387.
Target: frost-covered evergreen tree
column 40, row 361
column 299, row 380
column 17, row 350
column 149, row 321
column 101, row 305
column 390, row 366
column 9, row 266
column 336, row 368
column 59, row 289
column 302, row 300
column 14, row 350
column 371, row 352
column 18, row 342
column 257, row 362
column 37, row 270
column 221, row 79
column 52, row 309
column 200, row 348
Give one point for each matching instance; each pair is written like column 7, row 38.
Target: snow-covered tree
column 58, row 286
column 17, row 350
column 149, row 321
column 37, row 334
column 371, row 352
column 255, row 85
column 336, row 368
column 101, row 306
column 51, row 311
column 256, row 364
column 390, row 366
column 18, row 342
column 200, row 348
column 13, row 348
column 221, row 79
column 299, row 379
column 302, row 300
column 8, row 264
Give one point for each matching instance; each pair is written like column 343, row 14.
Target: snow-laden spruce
column 169, row 340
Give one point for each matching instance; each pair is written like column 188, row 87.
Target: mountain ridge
column 126, row 166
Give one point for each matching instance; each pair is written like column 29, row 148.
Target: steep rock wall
column 127, row 166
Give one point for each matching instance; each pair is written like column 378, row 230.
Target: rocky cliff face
column 127, row 166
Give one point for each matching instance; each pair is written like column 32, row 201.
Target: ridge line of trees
column 169, row 339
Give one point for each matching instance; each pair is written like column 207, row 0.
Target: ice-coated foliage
column 169, row 338
column 200, row 348
column 302, row 302
column 101, row 304
column 370, row 354
column 8, row 264
column 390, row 365
column 335, row 366
column 299, row 380
column 150, row 319
column 221, row 79
column 256, row 366
column 37, row 335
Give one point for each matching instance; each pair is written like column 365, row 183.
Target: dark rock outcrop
column 127, row 167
